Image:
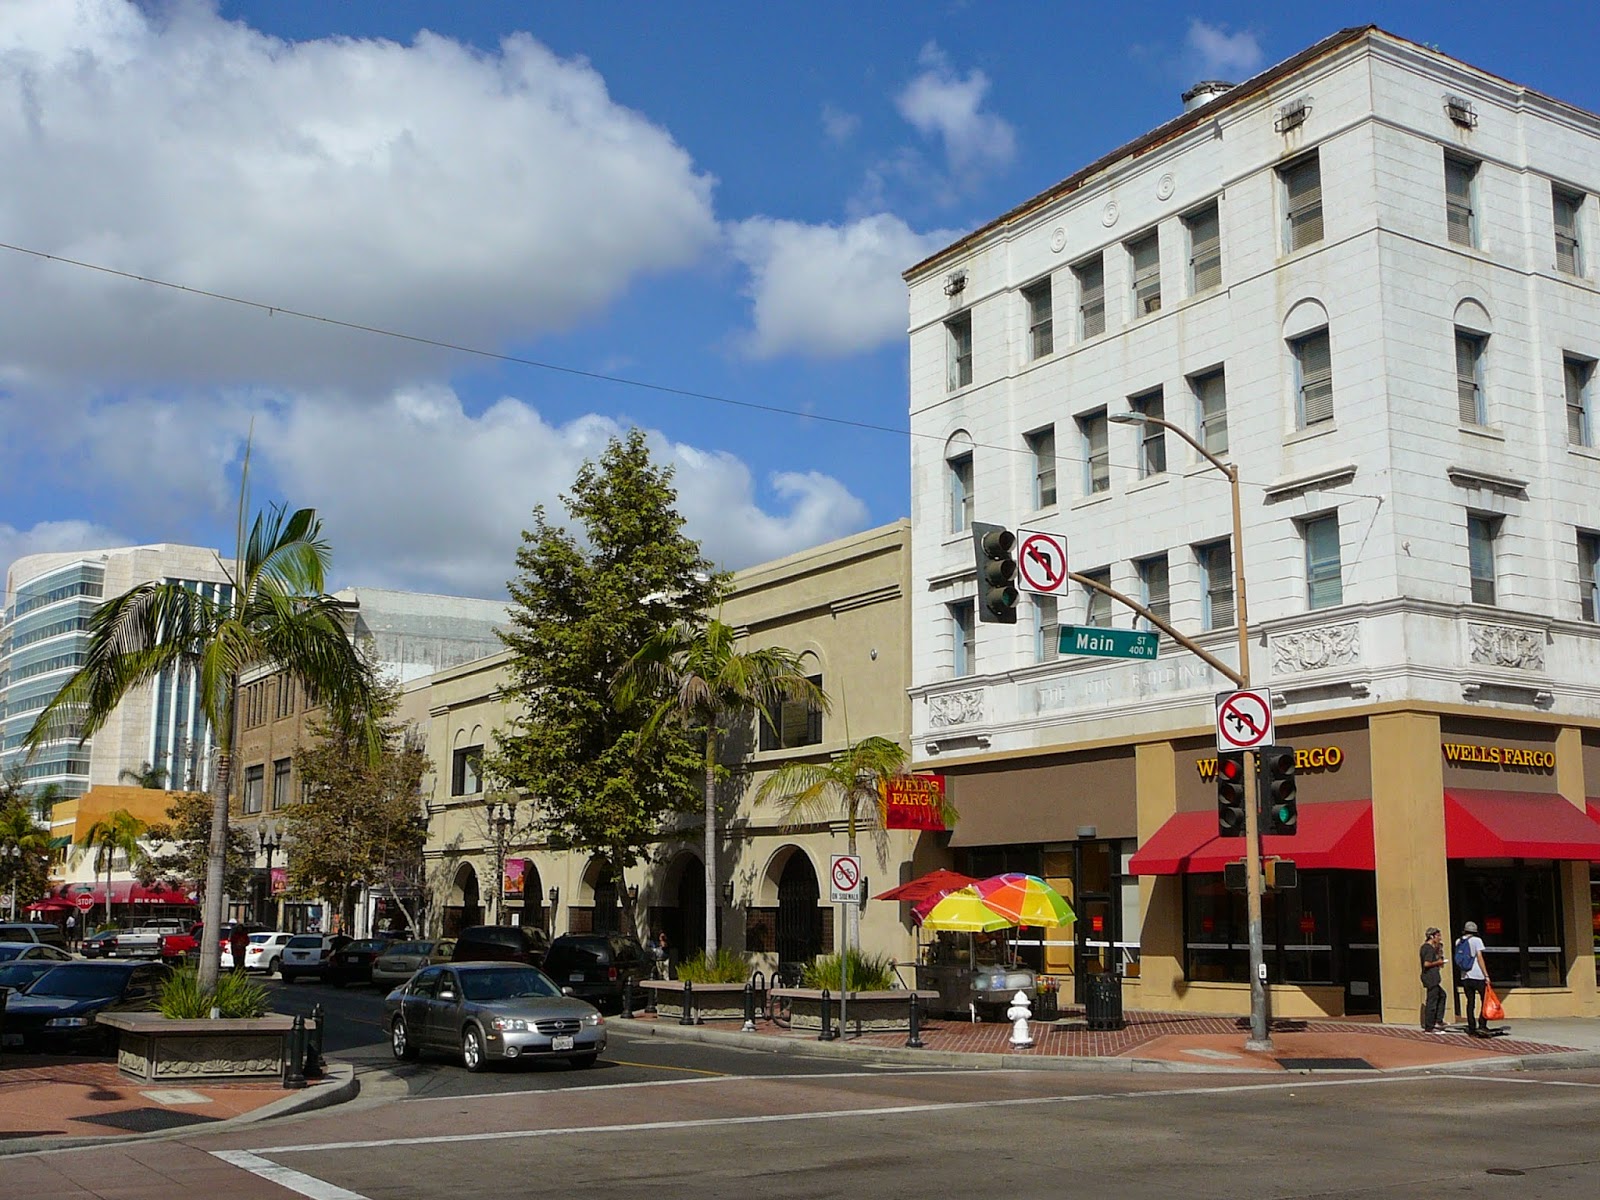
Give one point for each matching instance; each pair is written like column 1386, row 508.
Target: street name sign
column 844, row 879
column 1107, row 643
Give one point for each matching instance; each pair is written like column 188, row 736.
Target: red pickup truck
column 176, row 947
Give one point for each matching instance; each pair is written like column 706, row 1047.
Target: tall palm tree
column 22, row 837
column 147, row 775
column 274, row 612
column 115, row 833
column 696, row 676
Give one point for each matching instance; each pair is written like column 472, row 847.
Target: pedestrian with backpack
column 1473, row 976
column 1432, row 955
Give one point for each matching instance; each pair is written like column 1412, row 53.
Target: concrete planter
column 712, row 1001
column 867, row 1012
column 154, row 1048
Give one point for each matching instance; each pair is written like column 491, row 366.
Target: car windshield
column 483, row 987
column 592, row 953
column 81, row 981
column 7, row 953
column 406, row 948
column 305, row 943
column 368, row 946
column 19, row 975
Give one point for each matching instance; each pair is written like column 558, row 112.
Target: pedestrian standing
column 1432, row 956
column 1473, row 975
column 238, row 942
column 72, row 931
column 664, row 956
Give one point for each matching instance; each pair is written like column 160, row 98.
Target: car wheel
column 584, row 1060
column 273, row 966
column 472, row 1056
column 400, row 1043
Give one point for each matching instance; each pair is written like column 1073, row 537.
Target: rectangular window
column 1144, row 259
column 798, row 723
column 1589, row 580
column 1460, row 183
column 960, row 473
column 1481, row 534
column 254, row 784
column 1042, row 446
column 1096, row 452
column 1097, row 605
column 1152, row 437
column 1091, row 278
column 1567, row 209
column 963, row 630
column 1324, row 585
column 1216, row 569
column 1313, row 360
column 1469, row 378
column 1046, row 628
column 280, row 781
column 1302, row 203
column 1578, row 374
column 1205, row 250
column 1041, row 323
column 466, row 765
column 1211, row 395
column 1154, row 590
column 286, row 690
column 958, row 361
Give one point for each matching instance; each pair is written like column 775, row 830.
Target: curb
column 342, row 1086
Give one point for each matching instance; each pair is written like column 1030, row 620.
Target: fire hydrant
column 1018, row 1015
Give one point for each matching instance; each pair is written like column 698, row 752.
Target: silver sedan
column 488, row 1012
column 402, row 960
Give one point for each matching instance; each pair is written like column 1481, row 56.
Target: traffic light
column 1280, row 812
column 997, row 573
column 1230, row 795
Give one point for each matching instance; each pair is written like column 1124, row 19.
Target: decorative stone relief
column 1507, row 646
column 1109, row 214
column 1314, row 649
column 955, row 708
column 1058, row 240
column 219, row 1057
column 1164, row 187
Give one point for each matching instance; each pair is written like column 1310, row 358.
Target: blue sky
column 716, row 198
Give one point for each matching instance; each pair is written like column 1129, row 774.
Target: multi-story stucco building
column 1369, row 278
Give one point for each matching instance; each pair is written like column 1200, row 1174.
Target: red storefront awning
column 1594, row 814
column 1485, row 824
column 125, row 891
column 917, row 890
column 1333, row 836
column 39, row 906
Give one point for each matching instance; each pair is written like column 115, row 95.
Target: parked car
column 265, row 951
column 99, row 945
column 33, row 931
column 352, row 963
column 144, row 940
column 308, row 953
column 18, row 974
column 596, row 967
column 491, row 1012
column 501, row 943
column 401, row 960
column 25, row 951
column 58, row 1010
column 175, row 947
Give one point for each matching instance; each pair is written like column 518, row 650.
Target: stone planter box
column 867, row 1012
column 154, row 1048
column 712, row 1001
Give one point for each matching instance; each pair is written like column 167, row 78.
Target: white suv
column 308, row 954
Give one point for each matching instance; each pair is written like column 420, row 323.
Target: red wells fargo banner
column 913, row 802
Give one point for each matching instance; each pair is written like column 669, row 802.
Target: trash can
column 1102, row 1001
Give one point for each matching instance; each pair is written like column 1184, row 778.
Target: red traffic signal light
column 1230, row 795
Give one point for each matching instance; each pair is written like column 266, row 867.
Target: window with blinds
column 254, row 787
column 1096, row 452
column 1211, row 394
column 963, row 638
column 1205, row 250
column 1152, row 437
column 1046, row 629
column 1324, row 584
column 1589, row 575
column 793, row 723
column 1469, row 378
column 1567, row 208
column 1091, row 279
column 1042, row 447
column 1041, row 324
column 1481, row 534
column 1460, row 182
column 1302, row 193
column 1216, row 567
column 1154, row 588
column 1097, row 605
column 1579, row 373
column 1144, row 255
column 960, row 471
column 1314, row 377
column 958, row 338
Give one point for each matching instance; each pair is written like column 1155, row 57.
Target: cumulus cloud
column 941, row 103
column 828, row 290
column 840, row 126
column 55, row 537
column 1214, row 53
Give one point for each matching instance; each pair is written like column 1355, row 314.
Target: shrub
column 236, row 996
column 726, row 967
column 868, row 972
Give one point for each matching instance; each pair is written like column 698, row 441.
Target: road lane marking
column 1525, row 1079
column 619, row 1062
column 286, row 1177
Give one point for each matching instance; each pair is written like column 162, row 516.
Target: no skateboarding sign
column 1244, row 720
column 1041, row 562
column 844, row 879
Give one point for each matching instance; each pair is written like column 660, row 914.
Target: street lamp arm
column 1211, row 660
column 1227, row 469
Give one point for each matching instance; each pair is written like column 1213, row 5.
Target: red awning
column 917, row 890
column 50, row 906
column 130, row 891
column 1594, row 814
column 1484, row 824
column 1333, row 836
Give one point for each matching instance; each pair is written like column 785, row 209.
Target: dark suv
column 595, row 966
column 501, row 943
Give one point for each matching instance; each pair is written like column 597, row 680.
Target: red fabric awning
column 1594, row 813
column 1486, row 824
column 917, row 890
column 131, row 891
column 50, row 906
column 1333, row 836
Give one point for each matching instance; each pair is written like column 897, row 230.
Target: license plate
column 575, row 977
column 561, row 1043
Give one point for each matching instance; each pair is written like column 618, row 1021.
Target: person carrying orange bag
column 1492, row 1009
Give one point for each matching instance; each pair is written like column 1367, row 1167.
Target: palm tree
column 696, row 677
column 115, row 833
column 274, row 612
column 148, row 775
column 21, row 838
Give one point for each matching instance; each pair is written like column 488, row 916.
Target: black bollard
column 914, row 1038
column 314, row 1062
column 294, row 1055
column 750, row 1007
column 827, row 1034
column 688, row 1004
column 627, row 996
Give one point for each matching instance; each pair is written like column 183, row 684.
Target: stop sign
column 84, row 900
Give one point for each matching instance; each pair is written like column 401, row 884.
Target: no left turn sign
column 1244, row 719
column 844, row 878
column 1041, row 562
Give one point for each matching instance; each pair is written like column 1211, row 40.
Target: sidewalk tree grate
column 1325, row 1064
column 148, row 1120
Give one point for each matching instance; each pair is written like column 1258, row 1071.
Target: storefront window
column 1594, row 904
column 1303, row 938
column 1517, row 908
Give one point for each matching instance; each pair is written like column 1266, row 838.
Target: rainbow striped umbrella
column 1025, row 900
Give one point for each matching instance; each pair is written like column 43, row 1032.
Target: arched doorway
column 799, row 936
column 690, row 910
column 464, row 906
column 607, row 902
column 531, row 913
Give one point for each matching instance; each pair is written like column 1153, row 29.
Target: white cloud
column 940, row 103
column 840, row 126
column 55, row 537
column 827, row 290
column 1218, row 54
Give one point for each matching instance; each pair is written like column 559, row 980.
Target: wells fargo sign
column 1312, row 758
column 913, row 802
column 1465, row 754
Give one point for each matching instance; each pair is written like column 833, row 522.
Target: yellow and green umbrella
column 961, row 911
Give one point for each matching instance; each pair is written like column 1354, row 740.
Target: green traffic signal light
column 1280, row 806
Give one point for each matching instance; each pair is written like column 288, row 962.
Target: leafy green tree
column 24, row 850
column 581, row 609
column 182, row 843
column 147, row 775
column 693, row 676
column 362, row 821
column 118, row 832
column 274, row 611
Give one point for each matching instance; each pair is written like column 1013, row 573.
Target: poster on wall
column 516, row 870
column 913, row 802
